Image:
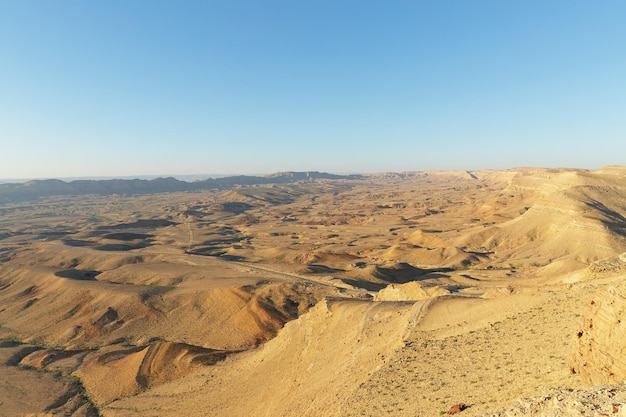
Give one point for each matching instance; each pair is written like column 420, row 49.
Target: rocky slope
column 599, row 355
column 607, row 400
column 402, row 295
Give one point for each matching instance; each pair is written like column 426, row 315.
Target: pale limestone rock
column 599, row 354
column 607, row 400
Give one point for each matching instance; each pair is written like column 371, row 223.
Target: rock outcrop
column 612, row 264
column 409, row 291
column 605, row 400
column 599, row 354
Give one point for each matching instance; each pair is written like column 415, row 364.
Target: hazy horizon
column 200, row 177
column 122, row 89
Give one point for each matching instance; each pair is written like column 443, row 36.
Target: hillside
column 311, row 295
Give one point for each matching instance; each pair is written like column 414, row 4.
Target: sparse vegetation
column 158, row 311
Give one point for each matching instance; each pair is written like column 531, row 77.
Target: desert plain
column 392, row 294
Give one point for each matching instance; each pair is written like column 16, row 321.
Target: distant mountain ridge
column 32, row 190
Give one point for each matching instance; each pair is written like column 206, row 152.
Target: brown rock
column 457, row 408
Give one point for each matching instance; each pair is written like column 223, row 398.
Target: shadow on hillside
column 78, row 274
column 139, row 224
column 126, row 236
column 366, row 285
column 398, row 275
column 115, row 247
column 320, row 269
column 612, row 219
column 402, row 273
column 77, row 243
column 217, row 253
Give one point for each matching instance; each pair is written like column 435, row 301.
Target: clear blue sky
column 138, row 87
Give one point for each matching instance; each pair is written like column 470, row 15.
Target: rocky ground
column 392, row 294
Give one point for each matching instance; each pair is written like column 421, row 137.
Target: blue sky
column 119, row 88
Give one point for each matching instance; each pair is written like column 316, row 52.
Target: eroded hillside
column 389, row 294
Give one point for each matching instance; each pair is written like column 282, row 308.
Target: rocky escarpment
column 608, row 400
column 613, row 264
column 599, row 354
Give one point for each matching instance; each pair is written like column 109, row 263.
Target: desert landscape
column 310, row 294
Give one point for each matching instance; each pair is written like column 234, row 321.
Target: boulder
column 457, row 408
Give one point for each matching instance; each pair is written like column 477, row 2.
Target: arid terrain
column 397, row 294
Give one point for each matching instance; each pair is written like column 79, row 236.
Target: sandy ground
column 400, row 294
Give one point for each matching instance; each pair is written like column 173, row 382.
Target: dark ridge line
column 33, row 190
